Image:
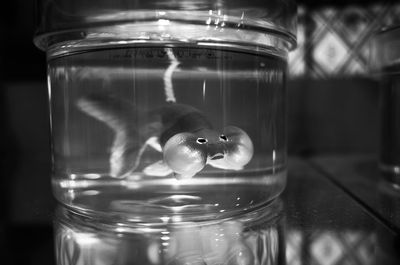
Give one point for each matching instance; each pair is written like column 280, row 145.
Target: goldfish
column 183, row 134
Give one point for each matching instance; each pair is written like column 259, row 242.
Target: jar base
column 154, row 200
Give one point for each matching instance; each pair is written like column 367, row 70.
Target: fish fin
column 179, row 176
column 154, row 142
column 117, row 115
column 124, row 157
column 223, row 164
column 158, row 169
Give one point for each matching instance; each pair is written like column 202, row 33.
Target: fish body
column 177, row 118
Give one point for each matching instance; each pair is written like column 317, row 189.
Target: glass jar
column 167, row 108
column 385, row 64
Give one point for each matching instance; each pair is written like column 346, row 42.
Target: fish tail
column 125, row 156
column 114, row 112
column 117, row 114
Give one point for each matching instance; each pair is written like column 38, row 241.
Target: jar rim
column 276, row 17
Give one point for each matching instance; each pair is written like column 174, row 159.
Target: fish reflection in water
column 181, row 132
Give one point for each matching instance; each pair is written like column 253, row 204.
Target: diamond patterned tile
column 364, row 251
column 296, row 58
column 293, row 246
column 330, row 52
column 353, row 24
column 297, row 65
column 322, row 22
column 335, row 41
column 326, row 249
column 364, row 52
column 351, row 237
column 354, row 67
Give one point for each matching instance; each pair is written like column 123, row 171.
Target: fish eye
column 223, row 137
column 201, row 141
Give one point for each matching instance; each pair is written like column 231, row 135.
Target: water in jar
column 191, row 131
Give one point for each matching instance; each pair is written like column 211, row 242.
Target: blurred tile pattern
column 335, row 41
column 297, row 64
column 327, row 247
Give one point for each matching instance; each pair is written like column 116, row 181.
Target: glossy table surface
column 331, row 212
column 358, row 175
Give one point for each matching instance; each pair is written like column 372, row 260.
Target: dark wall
column 333, row 116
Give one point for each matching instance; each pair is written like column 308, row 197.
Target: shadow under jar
column 167, row 109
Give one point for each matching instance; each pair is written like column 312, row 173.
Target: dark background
column 337, row 115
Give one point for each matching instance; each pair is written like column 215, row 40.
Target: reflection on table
column 317, row 221
column 253, row 238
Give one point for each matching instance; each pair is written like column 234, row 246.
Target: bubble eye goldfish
column 187, row 153
column 183, row 134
